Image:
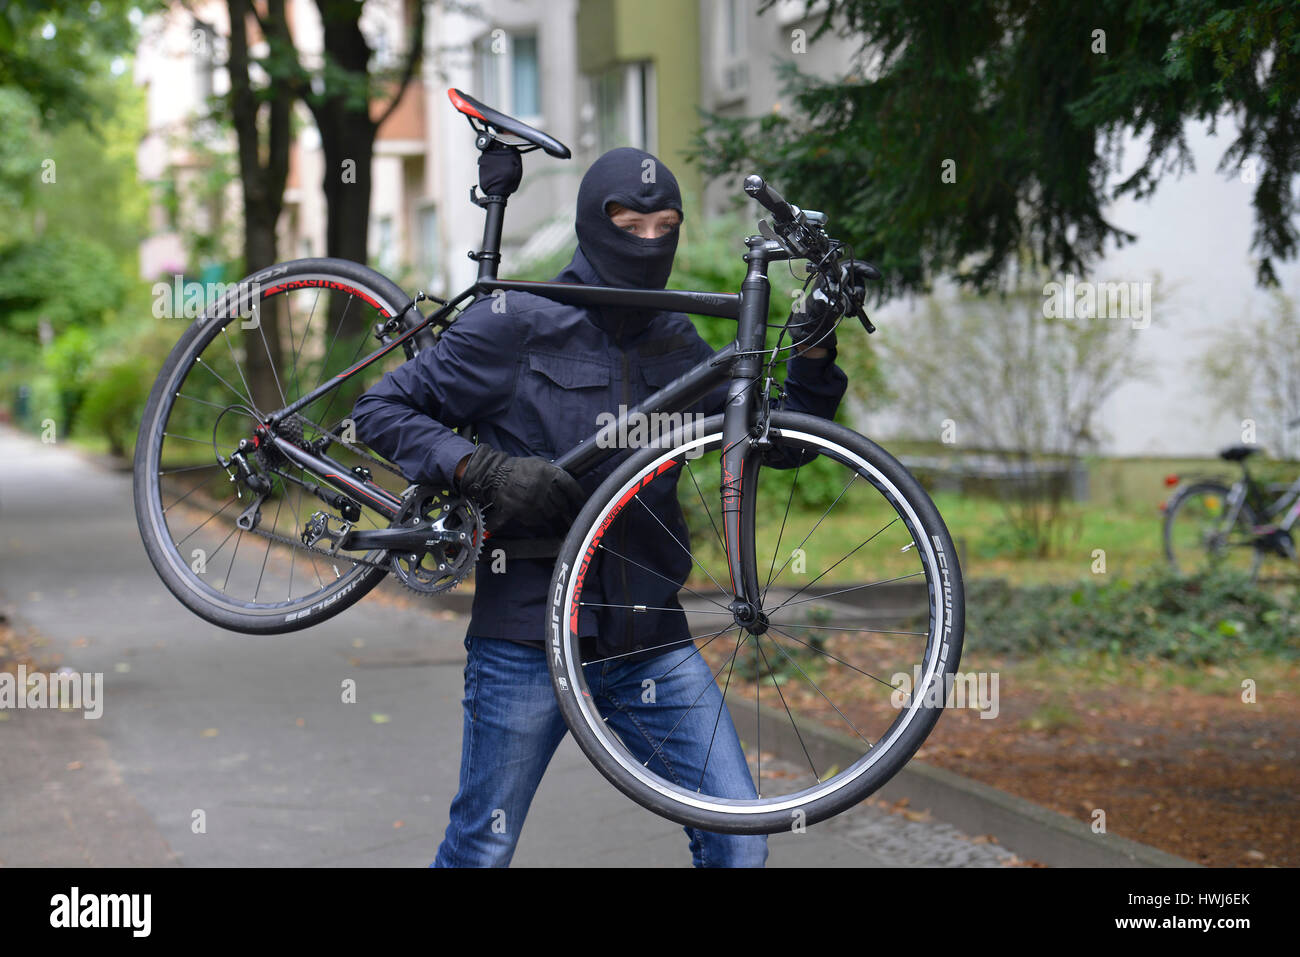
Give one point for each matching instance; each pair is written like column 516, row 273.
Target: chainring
column 443, row 566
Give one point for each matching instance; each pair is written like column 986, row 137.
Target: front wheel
column 862, row 616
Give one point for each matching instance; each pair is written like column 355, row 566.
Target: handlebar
column 803, row 233
column 770, row 199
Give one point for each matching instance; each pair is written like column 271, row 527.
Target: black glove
column 830, row 298
column 814, row 325
column 527, row 490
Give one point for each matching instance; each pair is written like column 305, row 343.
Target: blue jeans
column 512, row 727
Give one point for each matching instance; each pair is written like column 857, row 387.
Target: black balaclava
column 638, row 180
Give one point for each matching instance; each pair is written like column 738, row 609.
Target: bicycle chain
column 386, row 564
column 295, row 543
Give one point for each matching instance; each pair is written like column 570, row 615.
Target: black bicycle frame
column 740, row 362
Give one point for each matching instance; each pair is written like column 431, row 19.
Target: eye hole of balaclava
column 638, row 180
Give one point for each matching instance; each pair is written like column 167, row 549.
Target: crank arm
column 411, row 538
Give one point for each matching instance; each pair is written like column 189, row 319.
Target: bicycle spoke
column 758, row 721
column 239, row 369
column 199, row 361
column 883, row 581
column 786, row 564
column 229, row 535
column 270, row 360
column 172, row 435
column 188, row 468
column 606, row 548
column 205, row 521
column 334, row 394
column 707, row 511
column 641, row 651
column 717, row 719
column 703, row 691
column 823, row 651
column 832, row 568
column 679, row 544
column 185, row 496
column 306, row 329
column 772, row 675
column 818, row 689
column 776, row 551
column 716, row 634
column 601, row 604
column 260, row 575
column 182, row 395
column 233, row 555
column 869, row 631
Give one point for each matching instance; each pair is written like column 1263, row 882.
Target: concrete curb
column 1033, row 832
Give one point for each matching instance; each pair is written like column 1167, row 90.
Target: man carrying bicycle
column 530, row 377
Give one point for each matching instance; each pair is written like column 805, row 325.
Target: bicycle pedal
column 316, row 528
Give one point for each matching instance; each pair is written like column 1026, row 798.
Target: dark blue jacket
column 530, row 376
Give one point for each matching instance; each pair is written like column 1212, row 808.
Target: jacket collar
column 621, row 324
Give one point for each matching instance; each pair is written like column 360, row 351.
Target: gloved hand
column 830, row 298
column 527, row 490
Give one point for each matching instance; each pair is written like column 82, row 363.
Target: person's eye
column 628, row 227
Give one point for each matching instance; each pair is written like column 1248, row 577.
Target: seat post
column 500, row 170
column 488, row 256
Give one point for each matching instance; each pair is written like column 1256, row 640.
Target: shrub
column 1202, row 620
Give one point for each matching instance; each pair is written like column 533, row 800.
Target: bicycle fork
column 740, row 453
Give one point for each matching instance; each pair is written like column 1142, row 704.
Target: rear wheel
column 830, row 692
column 276, row 337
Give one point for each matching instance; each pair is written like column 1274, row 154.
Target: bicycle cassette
column 443, row 565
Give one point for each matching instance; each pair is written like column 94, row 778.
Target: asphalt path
column 250, row 735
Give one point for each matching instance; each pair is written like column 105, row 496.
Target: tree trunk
column 347, row 140
column 263, row 188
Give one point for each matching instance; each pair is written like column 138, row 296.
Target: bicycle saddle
column 508, row 125
column 1235, row 453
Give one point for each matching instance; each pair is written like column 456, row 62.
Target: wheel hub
column 748, row 617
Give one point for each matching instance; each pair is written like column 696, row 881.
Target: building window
column 428, row 216
column 509, row 74
column 203, row 45
column 625, row 109
column 732, row 48
column 386, row 245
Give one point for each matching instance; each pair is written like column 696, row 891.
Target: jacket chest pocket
column 565, row 395
column 658, row 373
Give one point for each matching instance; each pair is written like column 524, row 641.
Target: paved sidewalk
column 252, row 732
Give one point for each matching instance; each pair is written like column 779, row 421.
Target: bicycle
column 785, row 635
column 1212, row 525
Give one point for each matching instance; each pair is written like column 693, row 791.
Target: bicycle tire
column 1176, row 506
column 945, row 604
column 253, row 618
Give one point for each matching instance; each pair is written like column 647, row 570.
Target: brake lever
column 866, row 322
